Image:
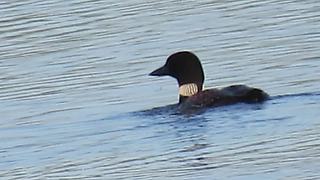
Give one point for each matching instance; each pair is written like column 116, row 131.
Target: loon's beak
column 162, row 71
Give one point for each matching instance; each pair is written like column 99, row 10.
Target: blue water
column 76, row 101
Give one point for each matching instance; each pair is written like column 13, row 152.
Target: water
column 76, row 101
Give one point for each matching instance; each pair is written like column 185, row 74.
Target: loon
column 186, row 68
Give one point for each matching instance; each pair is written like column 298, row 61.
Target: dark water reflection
column 76, row 101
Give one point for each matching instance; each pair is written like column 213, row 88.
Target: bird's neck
column 187, row 90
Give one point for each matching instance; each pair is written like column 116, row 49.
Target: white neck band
column 188, row 89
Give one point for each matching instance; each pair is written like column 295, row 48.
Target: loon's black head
column 186, row 68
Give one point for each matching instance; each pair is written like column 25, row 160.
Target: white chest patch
column 188, row 89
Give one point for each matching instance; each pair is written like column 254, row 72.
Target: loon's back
column 228, row 95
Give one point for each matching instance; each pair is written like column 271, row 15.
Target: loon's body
column 186, row 68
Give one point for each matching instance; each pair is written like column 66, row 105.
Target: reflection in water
column 202, row 146
column 76, row 101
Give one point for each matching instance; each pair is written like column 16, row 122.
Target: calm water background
column 76, row 101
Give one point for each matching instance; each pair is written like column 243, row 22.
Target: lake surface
column 76, row 101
